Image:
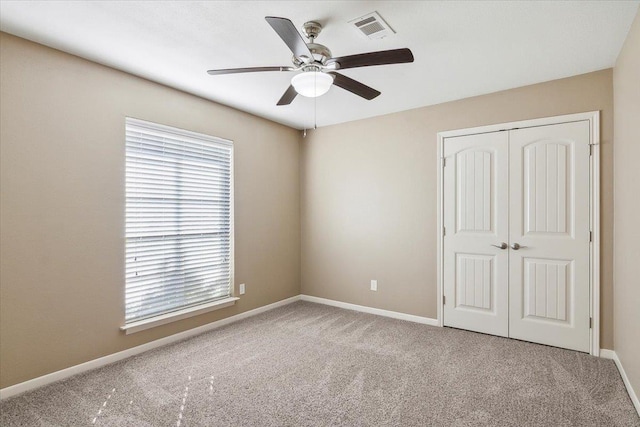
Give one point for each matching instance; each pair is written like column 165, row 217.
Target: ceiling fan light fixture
column 312, row 83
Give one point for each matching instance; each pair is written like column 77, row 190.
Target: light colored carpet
column 311, row 365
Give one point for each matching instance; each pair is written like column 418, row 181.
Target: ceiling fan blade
column 248, row 70
column 288, row 96
column 354, row 86
column 288, row 33
column 383, row 57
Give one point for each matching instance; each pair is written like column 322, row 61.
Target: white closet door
column 476, row 218
column 549, row 219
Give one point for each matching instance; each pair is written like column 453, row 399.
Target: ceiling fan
column 318, row 69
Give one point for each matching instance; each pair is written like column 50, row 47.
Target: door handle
column 502, row 245
column 516, row 246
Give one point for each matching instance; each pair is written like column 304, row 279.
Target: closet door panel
column 475, row 218
column 549, row 221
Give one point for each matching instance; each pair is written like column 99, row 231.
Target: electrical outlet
column 374, row 285
column 241, row 288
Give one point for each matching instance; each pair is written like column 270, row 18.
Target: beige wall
column 626, row 90
column 369, row 194
column 62, row 204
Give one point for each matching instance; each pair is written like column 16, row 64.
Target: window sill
column 163, row 319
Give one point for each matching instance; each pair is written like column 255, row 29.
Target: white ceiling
column 461, row 48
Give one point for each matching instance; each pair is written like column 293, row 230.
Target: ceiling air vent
column 372, row 26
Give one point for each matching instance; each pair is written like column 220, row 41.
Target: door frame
column 593, row 117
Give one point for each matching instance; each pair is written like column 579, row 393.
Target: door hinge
column 590, row 322
column 444, row 161
column 444, row 231
column 590, row 149
column 591, row 236
column 444, row 300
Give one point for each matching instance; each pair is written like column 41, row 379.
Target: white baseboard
column 115, row 357
column 610, row 354
column 371, row 310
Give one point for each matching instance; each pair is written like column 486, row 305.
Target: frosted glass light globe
column 312, row 83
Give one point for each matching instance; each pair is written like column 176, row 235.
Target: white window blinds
column 178, row 219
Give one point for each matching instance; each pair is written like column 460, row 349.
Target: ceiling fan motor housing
column 320, row 52
column 320, row 55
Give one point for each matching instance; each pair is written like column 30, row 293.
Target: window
column 179, row 194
